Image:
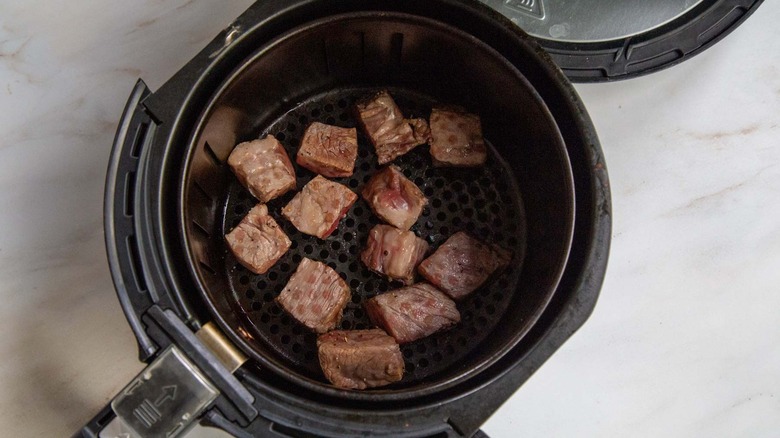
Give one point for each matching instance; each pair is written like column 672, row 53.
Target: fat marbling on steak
column 258, row 242
column 315, row 296
column 412, row 312
column 394, row 253
column 360, row 359
column 394, row 198
column 462, row 264
column 263, row 167
column 391, row 134
column 317, row 209
column 456, row 138
column 328, row 150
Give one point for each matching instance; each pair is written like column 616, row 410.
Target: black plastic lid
column 605, row 40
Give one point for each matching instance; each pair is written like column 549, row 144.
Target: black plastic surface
column 95, row 425
column 134, row 134
column 462, row 409
column 652, row 50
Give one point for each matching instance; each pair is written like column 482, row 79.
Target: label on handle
column 162, row 401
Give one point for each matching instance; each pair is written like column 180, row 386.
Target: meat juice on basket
column 315, row 294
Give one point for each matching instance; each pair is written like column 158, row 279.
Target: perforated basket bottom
column 484, row 201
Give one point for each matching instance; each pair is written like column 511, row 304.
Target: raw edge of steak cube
column 293, row 210
column 450, row 125
column 306, row 302
column 413, row 312
column 382, row 197
column 330, row 160
column 256, row 176
column 492, row 260
column 256, row 231
column 360, row 359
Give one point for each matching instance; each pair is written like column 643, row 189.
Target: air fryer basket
column 522, row 199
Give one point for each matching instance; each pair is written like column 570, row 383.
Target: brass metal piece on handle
column 226, row 352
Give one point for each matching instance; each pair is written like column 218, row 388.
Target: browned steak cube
column 394, row 198
column 391, row 134
column 456, row 138
column 258, row 242
column 360, row 359
column 328, row 150
column 315, row 296
column 462, row 264
column 393, row 252
column 263, row 167
column 317, row 209
column 413, row 312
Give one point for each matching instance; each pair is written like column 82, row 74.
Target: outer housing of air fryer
column 156, row 293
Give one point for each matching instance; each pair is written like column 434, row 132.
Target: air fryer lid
column 522, row 199
column 595, row 41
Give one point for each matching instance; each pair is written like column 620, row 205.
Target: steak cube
column 317, row 209
column 263, row 167
column 462, row 264
column 360, row 359
column 393, row 252
column 413, row 312
column 394, row 198
column 315, row 296
column 391, row 134
column 258, row 242
column 328, row 150
column 456, row 139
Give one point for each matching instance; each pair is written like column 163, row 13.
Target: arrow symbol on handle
column 169, row 392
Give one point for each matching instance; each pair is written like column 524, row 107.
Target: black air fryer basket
column 170, row 198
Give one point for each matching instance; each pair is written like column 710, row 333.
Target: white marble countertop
column 684, row 340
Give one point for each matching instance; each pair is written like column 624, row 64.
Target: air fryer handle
column 189, row 380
